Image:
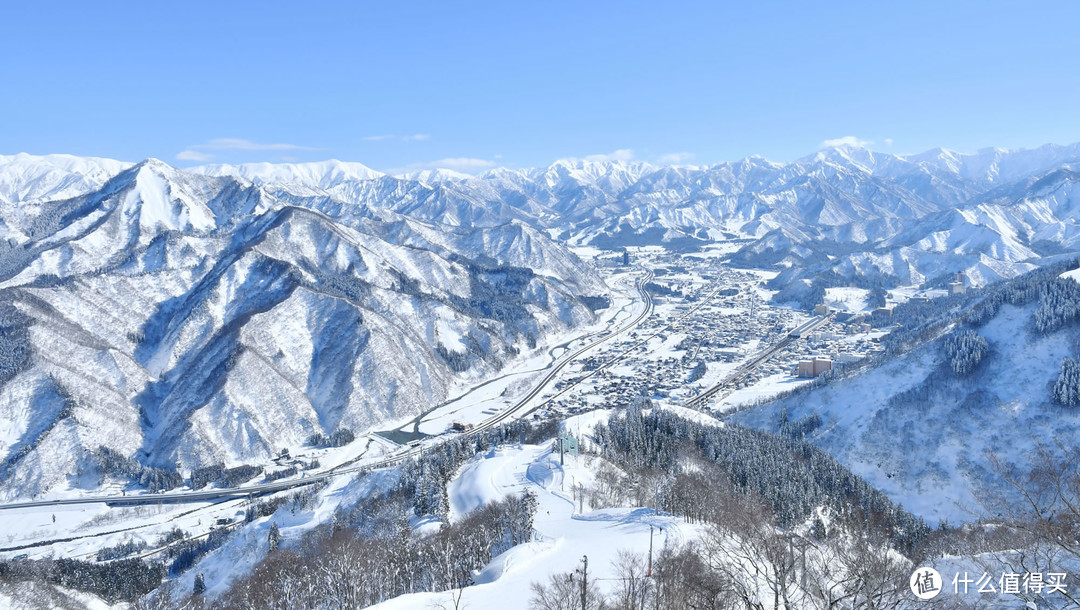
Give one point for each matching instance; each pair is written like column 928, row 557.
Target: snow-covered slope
column 922, row 435
column 155, row 299
column 325, row 174
column 184, row 319
column 25, row 178
column 907, row 218
column 563, row 533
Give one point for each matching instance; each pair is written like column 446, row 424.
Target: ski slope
column 563, row 534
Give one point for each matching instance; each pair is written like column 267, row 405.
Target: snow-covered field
column 846, row 298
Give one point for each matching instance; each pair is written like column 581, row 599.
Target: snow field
column 931, row 457
column 847, row 298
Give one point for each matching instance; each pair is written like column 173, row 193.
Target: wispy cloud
column 416, row 137
column 674, row 158
column 198, row 152
column 888, row 141
column 194, row 155
column 846, row 141
column 461, row 164
column 623, row 154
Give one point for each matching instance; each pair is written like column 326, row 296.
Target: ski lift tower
column 567, row 443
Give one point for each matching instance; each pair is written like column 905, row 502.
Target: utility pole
column 649, row 573
column 562, row 447
column 584, row 582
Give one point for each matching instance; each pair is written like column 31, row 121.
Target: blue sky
column 469, row 85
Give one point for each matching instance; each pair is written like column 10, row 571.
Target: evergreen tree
column 200, row 585
column 965, row 350
column 1067, row 388
column 1059, row 304
column 274, row 537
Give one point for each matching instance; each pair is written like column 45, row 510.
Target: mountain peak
column 26, row 177
column 318, row 174
column 434, row 176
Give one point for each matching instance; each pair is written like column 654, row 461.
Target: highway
column 348, row 467
column 746, row 368
column 498, row 418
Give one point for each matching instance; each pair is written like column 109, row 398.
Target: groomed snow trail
column 563, row 536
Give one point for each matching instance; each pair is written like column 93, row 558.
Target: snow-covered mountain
column 906, row 218
column 186, row 319
column 290, row 299
column 25, row 178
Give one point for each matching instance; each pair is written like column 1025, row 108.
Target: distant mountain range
column 842, row 212
column 221, row 312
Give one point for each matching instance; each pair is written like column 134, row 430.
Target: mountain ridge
column 182, row 319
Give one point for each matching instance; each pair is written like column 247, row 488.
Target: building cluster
column 958, row 286
column 734, row 326
column 813, row 367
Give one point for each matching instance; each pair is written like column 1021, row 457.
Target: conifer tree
column 274, row 537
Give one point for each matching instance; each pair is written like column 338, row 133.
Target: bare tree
column 636, row 588
column 1040, row 506
column 869, row 573
column 759, row 561
column 684, row 580
column 455, row 601
column 563, row 592
column 160, row 599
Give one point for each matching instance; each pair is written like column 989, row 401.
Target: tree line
column 788, row 475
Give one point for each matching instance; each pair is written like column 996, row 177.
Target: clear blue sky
column 394, row 85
